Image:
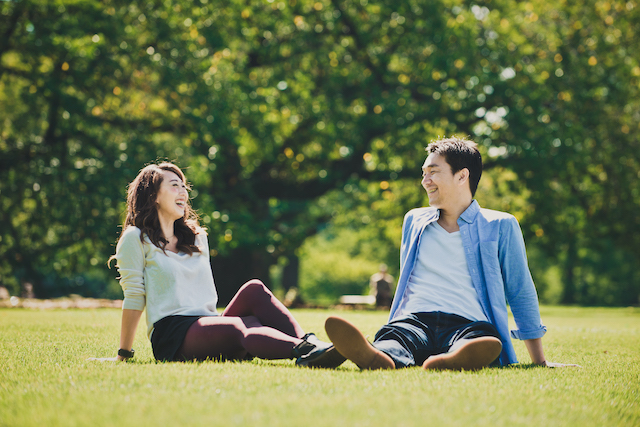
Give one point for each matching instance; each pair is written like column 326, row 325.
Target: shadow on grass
column 283, row 364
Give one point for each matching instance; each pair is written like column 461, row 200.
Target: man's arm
column 522, row 295
column 537, row 355
column 519, row 287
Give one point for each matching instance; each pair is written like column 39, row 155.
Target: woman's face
column 172, row 197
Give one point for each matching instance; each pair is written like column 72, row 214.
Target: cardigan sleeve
column 130, row 259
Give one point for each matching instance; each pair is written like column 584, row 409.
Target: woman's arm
column 130, row 320
column 131, row 263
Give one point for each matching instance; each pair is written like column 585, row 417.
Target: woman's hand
column 118, row 358
column 105, row 359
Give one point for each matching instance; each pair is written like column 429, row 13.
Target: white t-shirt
column 166, row 283
column 440, row 279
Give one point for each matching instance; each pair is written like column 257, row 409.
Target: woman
column 163, row 259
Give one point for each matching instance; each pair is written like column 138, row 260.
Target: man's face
column 439, row 181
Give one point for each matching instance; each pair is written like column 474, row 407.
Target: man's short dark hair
column 460, row 154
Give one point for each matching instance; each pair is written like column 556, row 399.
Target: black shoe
column 313, row 353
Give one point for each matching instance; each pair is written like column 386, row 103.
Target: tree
column 572, row 103
column 271, row 106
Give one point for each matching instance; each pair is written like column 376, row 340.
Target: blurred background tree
column 301, row 125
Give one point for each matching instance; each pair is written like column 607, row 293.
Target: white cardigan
column 167, row 283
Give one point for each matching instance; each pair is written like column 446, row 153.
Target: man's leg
column 404, row 342
column 469, row 347
column 468, row 355
column 350, row 342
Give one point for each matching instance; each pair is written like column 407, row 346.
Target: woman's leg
column 255, row 299
column 234, row 337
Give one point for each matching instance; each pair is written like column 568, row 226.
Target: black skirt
column 168, row 335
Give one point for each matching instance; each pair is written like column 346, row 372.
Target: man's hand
column 537, row 355
column 559, row 365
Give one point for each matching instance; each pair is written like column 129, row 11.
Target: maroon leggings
column 254, row 323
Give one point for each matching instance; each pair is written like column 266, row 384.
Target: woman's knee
column 254, row 287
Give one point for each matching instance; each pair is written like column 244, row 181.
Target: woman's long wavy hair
column 143, row 213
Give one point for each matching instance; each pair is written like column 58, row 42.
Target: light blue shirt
column 497, row 262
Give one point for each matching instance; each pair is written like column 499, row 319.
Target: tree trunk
column 291, row 273
column 235, row 269
column 569, row 288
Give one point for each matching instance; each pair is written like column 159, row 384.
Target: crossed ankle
column 471, row 354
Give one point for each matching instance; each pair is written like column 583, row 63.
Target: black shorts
column 410, row 340
column 168, row 335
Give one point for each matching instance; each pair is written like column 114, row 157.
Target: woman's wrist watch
column 127, row 354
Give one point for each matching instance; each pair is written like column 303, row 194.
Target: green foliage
column 572, row 110
column 365, row 231
column 337, row 264
column 46, row 379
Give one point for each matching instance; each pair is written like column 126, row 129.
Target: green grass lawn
column 46, row 379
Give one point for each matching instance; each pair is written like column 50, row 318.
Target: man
column 459, row 263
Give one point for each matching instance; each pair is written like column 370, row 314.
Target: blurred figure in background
column 381, row 287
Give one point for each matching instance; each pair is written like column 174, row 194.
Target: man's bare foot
column 350, row 342
column 470, row 355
